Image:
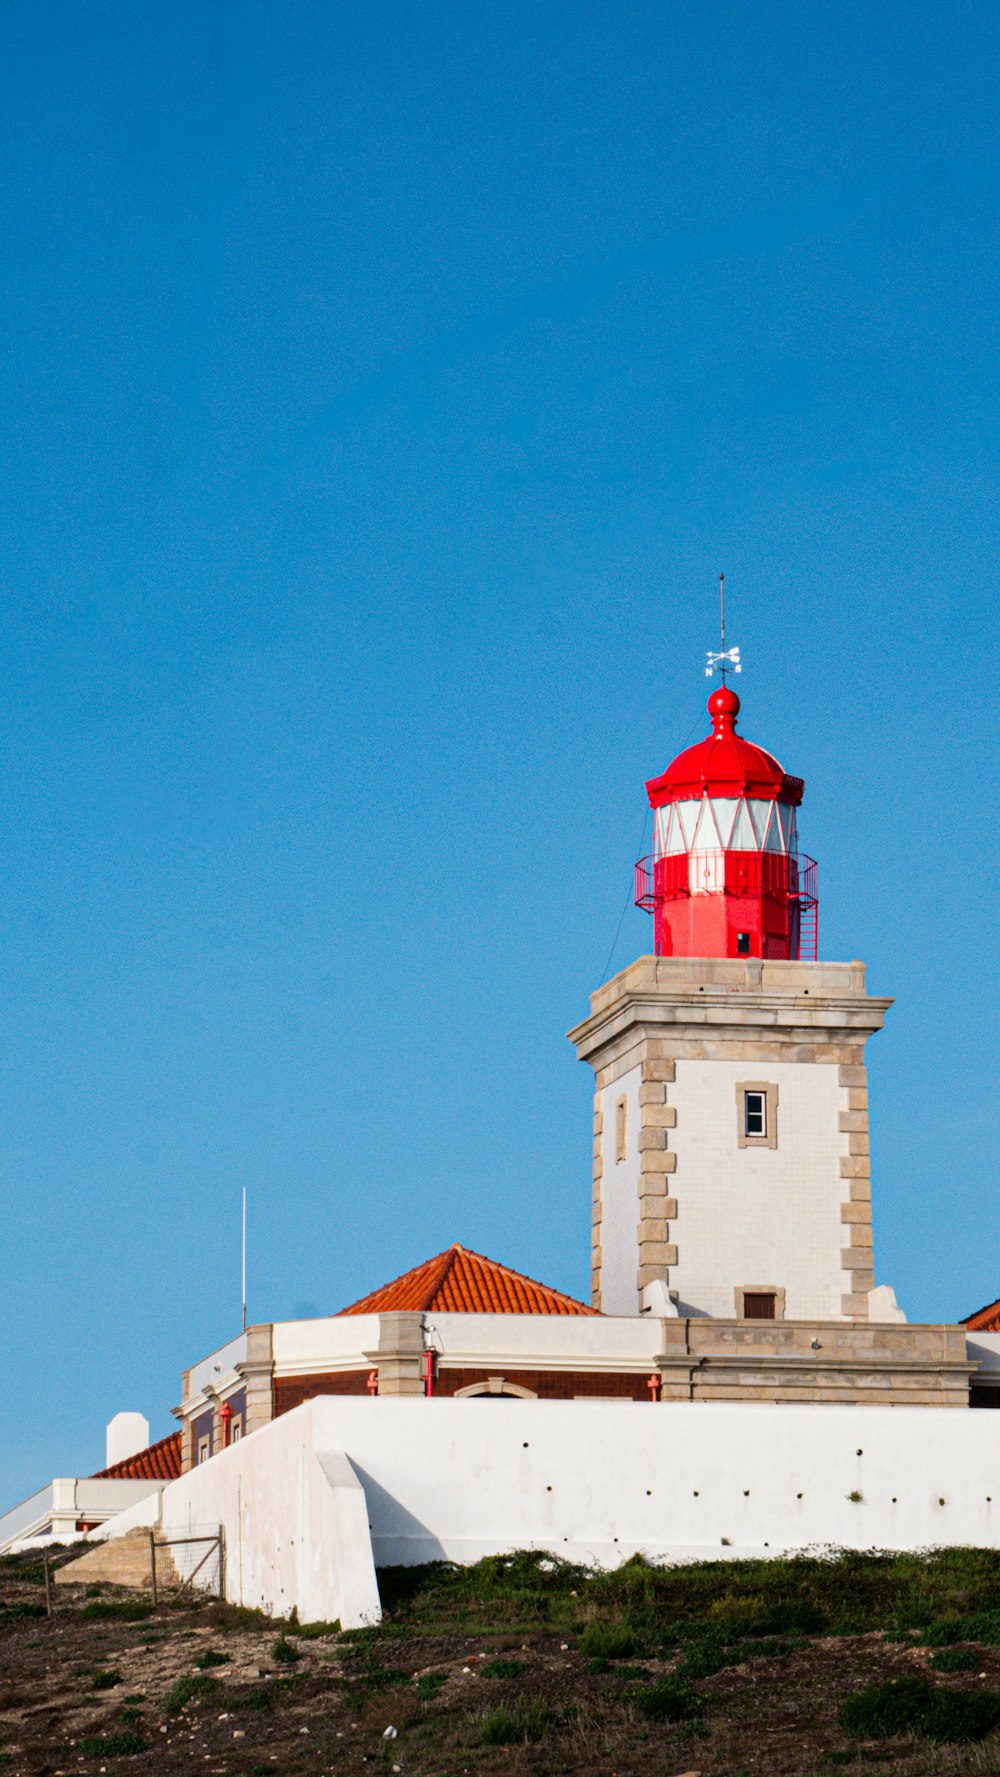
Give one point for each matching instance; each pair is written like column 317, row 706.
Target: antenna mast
column 244, row 1267
column 726, row 659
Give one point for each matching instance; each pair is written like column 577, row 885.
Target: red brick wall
column 291, row 1391
column 550, row 1385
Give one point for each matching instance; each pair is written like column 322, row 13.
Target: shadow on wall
column 402, row 1539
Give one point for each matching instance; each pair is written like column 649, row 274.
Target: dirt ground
column 339, row 1704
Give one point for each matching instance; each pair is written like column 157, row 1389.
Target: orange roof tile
column 160, row 1462
column 985, row 1320
column 458, row 1281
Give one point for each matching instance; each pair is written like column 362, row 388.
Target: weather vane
column 728, row 657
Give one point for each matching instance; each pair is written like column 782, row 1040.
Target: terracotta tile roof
column 464, row 1282
column 985, row 1320
column 161, row 1462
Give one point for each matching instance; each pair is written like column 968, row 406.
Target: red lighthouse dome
column 726, row 877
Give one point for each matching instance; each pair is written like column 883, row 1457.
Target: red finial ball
column 723, row 707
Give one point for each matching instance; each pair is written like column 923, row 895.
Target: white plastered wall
column 620, row 1199
column 757, row 1215
column 593, row 1481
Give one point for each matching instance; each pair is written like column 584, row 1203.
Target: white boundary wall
column 293, row 1518
column 593, row 1481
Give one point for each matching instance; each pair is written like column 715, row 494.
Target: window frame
column 768, row 1091
column 744, row 1290
column 621, row 1128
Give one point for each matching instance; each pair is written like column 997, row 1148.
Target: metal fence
column 163, row 1567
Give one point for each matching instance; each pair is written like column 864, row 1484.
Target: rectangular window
column 621, row 1129
column 758, row 1305
column 743, row 943
column 236, row 1431
column 755, row 1113
column 204, row 1450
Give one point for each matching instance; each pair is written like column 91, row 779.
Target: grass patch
column 982, row 1626
column 668, row 1700
column 519, row 1725
column 378, row 1678
column 259, row 1701
column 188, row 1690
column 313, row 1631
column 608, row 1641
column 913, row 1706
column 851, row 1592
column 105, row 1681
column 428, row 1686
column 13, row 1613
column 211, row 1657
column 129, row 1610
column 502, row 1668
column 110, row 1745
column 127, row 1716
column 285, row 1651
column 955, row 1659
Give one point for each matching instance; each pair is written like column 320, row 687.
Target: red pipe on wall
column 653, row 1384
column 429, row 1372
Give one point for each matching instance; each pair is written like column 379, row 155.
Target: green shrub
column 882, row 1710
column 187, row 1689
column 135, row 1697
column 982, row 1626
column 598, row 1665
column 954, row 1715
column 955, row 1659
column 428, row 1685
column 668, row 1700
column 12, row 1613
column 704, row 1658
column 608, row 1641
column 502, row 1668
column 913, row 1706
column 313, row 1631
column 515, row 1726
column 378, row 1678
column 130, row 1610
column 256, row 1700
column 110, row 1745
column 105, row 1681
column 211, row 1658
column 125, row 1716
column 285, row 1651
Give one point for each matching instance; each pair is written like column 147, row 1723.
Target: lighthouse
column 726, row 877
column 732, row 1172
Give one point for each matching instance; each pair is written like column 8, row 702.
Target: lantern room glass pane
column 706, row 836
column 675, row 837
column 661, row 825
column 724, row 809
column 775, row 840
column 786, row 815
column 743, row 836
column 760, row 814
column 687, row 815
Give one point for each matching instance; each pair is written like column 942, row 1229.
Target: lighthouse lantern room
column 726, row 877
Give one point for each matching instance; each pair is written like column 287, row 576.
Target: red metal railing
column 794, row 879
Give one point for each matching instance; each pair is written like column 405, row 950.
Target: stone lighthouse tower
column 731, row 1160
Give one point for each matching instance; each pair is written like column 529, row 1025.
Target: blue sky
column 383, row 388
